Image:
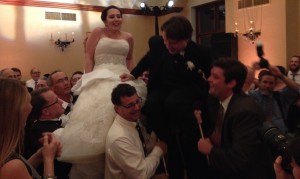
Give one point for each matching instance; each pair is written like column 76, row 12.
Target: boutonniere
column 190, row 65
column 202, row 74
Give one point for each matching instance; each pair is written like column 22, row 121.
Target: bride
column 108, row 55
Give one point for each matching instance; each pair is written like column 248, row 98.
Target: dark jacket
column 154, row 61
column 242, row 153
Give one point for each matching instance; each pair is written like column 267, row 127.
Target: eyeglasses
column 131, row 105
column 56, row 101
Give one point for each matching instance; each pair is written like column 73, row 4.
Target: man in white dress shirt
column 125, row 154
column 35, row 76
column 294, row 69
column 293, row 118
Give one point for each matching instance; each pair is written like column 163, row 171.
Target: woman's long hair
column 13, row 97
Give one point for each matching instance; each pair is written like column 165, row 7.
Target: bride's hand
column 126, row 77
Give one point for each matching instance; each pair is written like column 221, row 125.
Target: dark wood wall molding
column 74, row 6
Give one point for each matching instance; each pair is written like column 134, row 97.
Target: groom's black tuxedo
column 175, row 83
column 156, row 59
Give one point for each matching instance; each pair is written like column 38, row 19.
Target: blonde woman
column 14, row 109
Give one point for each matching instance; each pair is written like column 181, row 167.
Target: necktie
column 138, row 128
column 35, row 84
column 217, row 133
column 293, row 77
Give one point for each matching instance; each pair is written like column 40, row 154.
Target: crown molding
column 70, row 6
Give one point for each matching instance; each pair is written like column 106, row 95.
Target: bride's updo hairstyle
column 105, row 10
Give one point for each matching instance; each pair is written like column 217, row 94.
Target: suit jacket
column 155, row 62
column 61, row 169
column 242, row 153
column 156, row 46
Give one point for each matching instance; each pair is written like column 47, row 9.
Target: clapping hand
column 52, row 148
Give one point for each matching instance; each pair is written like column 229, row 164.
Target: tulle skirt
column 83, row 138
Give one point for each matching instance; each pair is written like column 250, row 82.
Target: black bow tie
column 67, row 110
column 58, row 122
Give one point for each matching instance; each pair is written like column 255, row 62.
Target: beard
column 294, row 70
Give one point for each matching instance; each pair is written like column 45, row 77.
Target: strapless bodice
column 111, row 51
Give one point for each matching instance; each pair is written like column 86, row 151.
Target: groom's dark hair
column 177, row 28
column 122, row 90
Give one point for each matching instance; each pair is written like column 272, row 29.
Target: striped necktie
column 138, row 128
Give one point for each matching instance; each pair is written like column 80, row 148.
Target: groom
column 178, row 68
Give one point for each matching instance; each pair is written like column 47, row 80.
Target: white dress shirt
column 225, row 103
column 297, row 76
column 124, row 155
column 30, row 83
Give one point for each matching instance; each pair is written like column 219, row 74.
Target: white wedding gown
column 83, row 138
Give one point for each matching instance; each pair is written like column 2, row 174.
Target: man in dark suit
column 234, row 149
column 178, row 68
column 46, row 110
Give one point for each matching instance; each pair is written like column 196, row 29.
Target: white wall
column 25, row 34
column 24, row 40
column 273, row 32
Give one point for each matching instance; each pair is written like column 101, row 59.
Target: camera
column 277, row 143
column 263, row 63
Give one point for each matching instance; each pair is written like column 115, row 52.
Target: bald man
column 7, row 73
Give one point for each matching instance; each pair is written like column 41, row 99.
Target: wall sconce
column 250, row 34
column 252, row 20
column 156, row 11
column 62, row 44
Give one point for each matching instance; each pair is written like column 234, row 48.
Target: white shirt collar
column 65, row 104
column 54, row 119
column 226, row 102
column 125, row 121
